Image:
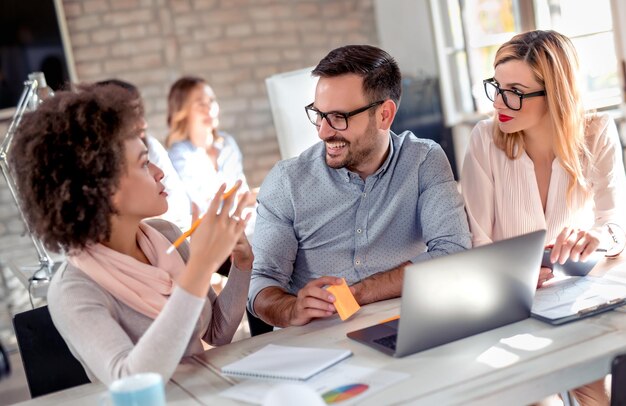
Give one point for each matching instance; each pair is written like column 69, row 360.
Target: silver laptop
column 459, row 295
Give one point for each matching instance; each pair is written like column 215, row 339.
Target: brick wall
column 233, row 44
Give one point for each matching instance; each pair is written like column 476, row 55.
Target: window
column 590, row 26
column 468, row 33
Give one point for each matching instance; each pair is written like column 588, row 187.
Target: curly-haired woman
column 121, row 300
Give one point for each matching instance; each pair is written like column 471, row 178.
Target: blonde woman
column 203, row 156
column 541, row 162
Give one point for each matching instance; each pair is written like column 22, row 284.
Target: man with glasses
column 360, row 205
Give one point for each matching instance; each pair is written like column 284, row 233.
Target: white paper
column 342, row 380
column 616, row 273
column 285, row 362
column 570, row 296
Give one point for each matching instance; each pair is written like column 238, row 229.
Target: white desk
column 91, row 394
column 579, row 352
column 485, row 369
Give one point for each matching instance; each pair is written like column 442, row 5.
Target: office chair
column 48, row 363
column 5, row 365
column 257, row 326
column 618, row 382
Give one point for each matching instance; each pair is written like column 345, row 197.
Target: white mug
column 144, row 389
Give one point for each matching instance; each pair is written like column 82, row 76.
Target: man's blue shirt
column 313, row 220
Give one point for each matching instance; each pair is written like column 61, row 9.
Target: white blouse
column 502, row 197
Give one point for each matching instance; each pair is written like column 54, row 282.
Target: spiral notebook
column 283, row 362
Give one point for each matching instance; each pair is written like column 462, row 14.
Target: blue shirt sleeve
column 440, row 208
column 274, row 243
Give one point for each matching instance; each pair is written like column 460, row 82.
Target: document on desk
column 286, row 362
column 616, row 273
column 577, row 297
column 345, row 383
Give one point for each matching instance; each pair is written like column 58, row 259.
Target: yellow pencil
column 195, row 225
column 230, row 191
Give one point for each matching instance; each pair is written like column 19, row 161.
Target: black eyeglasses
column 511, row 98
column 336, row 119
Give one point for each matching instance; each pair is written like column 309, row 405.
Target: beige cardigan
column 112, row 340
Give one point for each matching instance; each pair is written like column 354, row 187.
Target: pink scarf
column 145, row 288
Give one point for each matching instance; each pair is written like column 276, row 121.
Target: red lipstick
column 503, row 118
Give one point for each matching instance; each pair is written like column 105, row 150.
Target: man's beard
column 357, row 152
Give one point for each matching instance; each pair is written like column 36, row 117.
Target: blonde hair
column 178, row 108
column 553, row 60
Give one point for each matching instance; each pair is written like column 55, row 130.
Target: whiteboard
column 288, row 93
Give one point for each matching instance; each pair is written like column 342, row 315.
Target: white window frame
column 456, row 99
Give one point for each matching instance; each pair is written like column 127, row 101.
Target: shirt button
column 358, row 230
column 358, row 262
column 364, row 194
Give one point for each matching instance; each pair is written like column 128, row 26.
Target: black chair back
column 48, row 363
column 5, row 365
column 618, row 382
column 257, row 326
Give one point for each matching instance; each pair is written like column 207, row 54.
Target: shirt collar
column 347, row 175
column 385, row 164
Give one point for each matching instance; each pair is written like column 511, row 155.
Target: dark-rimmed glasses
column 511, row 98
column 336, row 119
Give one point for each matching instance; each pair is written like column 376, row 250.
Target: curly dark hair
column 67, row 158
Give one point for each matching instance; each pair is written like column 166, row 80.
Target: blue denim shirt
column 314, row 221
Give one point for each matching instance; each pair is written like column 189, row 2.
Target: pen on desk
column 549, row 247
column 588, row 310
column 195, row 225
column 609, row 304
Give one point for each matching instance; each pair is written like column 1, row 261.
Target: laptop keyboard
column 388, row 341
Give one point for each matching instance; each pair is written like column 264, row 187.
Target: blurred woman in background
column 203, row 156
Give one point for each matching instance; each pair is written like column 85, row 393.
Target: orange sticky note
column 345, row 303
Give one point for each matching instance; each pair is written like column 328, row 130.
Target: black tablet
column 572, row 268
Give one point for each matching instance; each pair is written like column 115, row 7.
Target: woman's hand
column 217, row 234
column 242, row 254
column 213, row 241
column 574, row 244
column 545, row 274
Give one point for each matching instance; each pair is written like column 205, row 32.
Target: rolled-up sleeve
column 440, row 208
column 274, row 244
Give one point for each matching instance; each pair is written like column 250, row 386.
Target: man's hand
column 313, row 301
column 279, row 308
